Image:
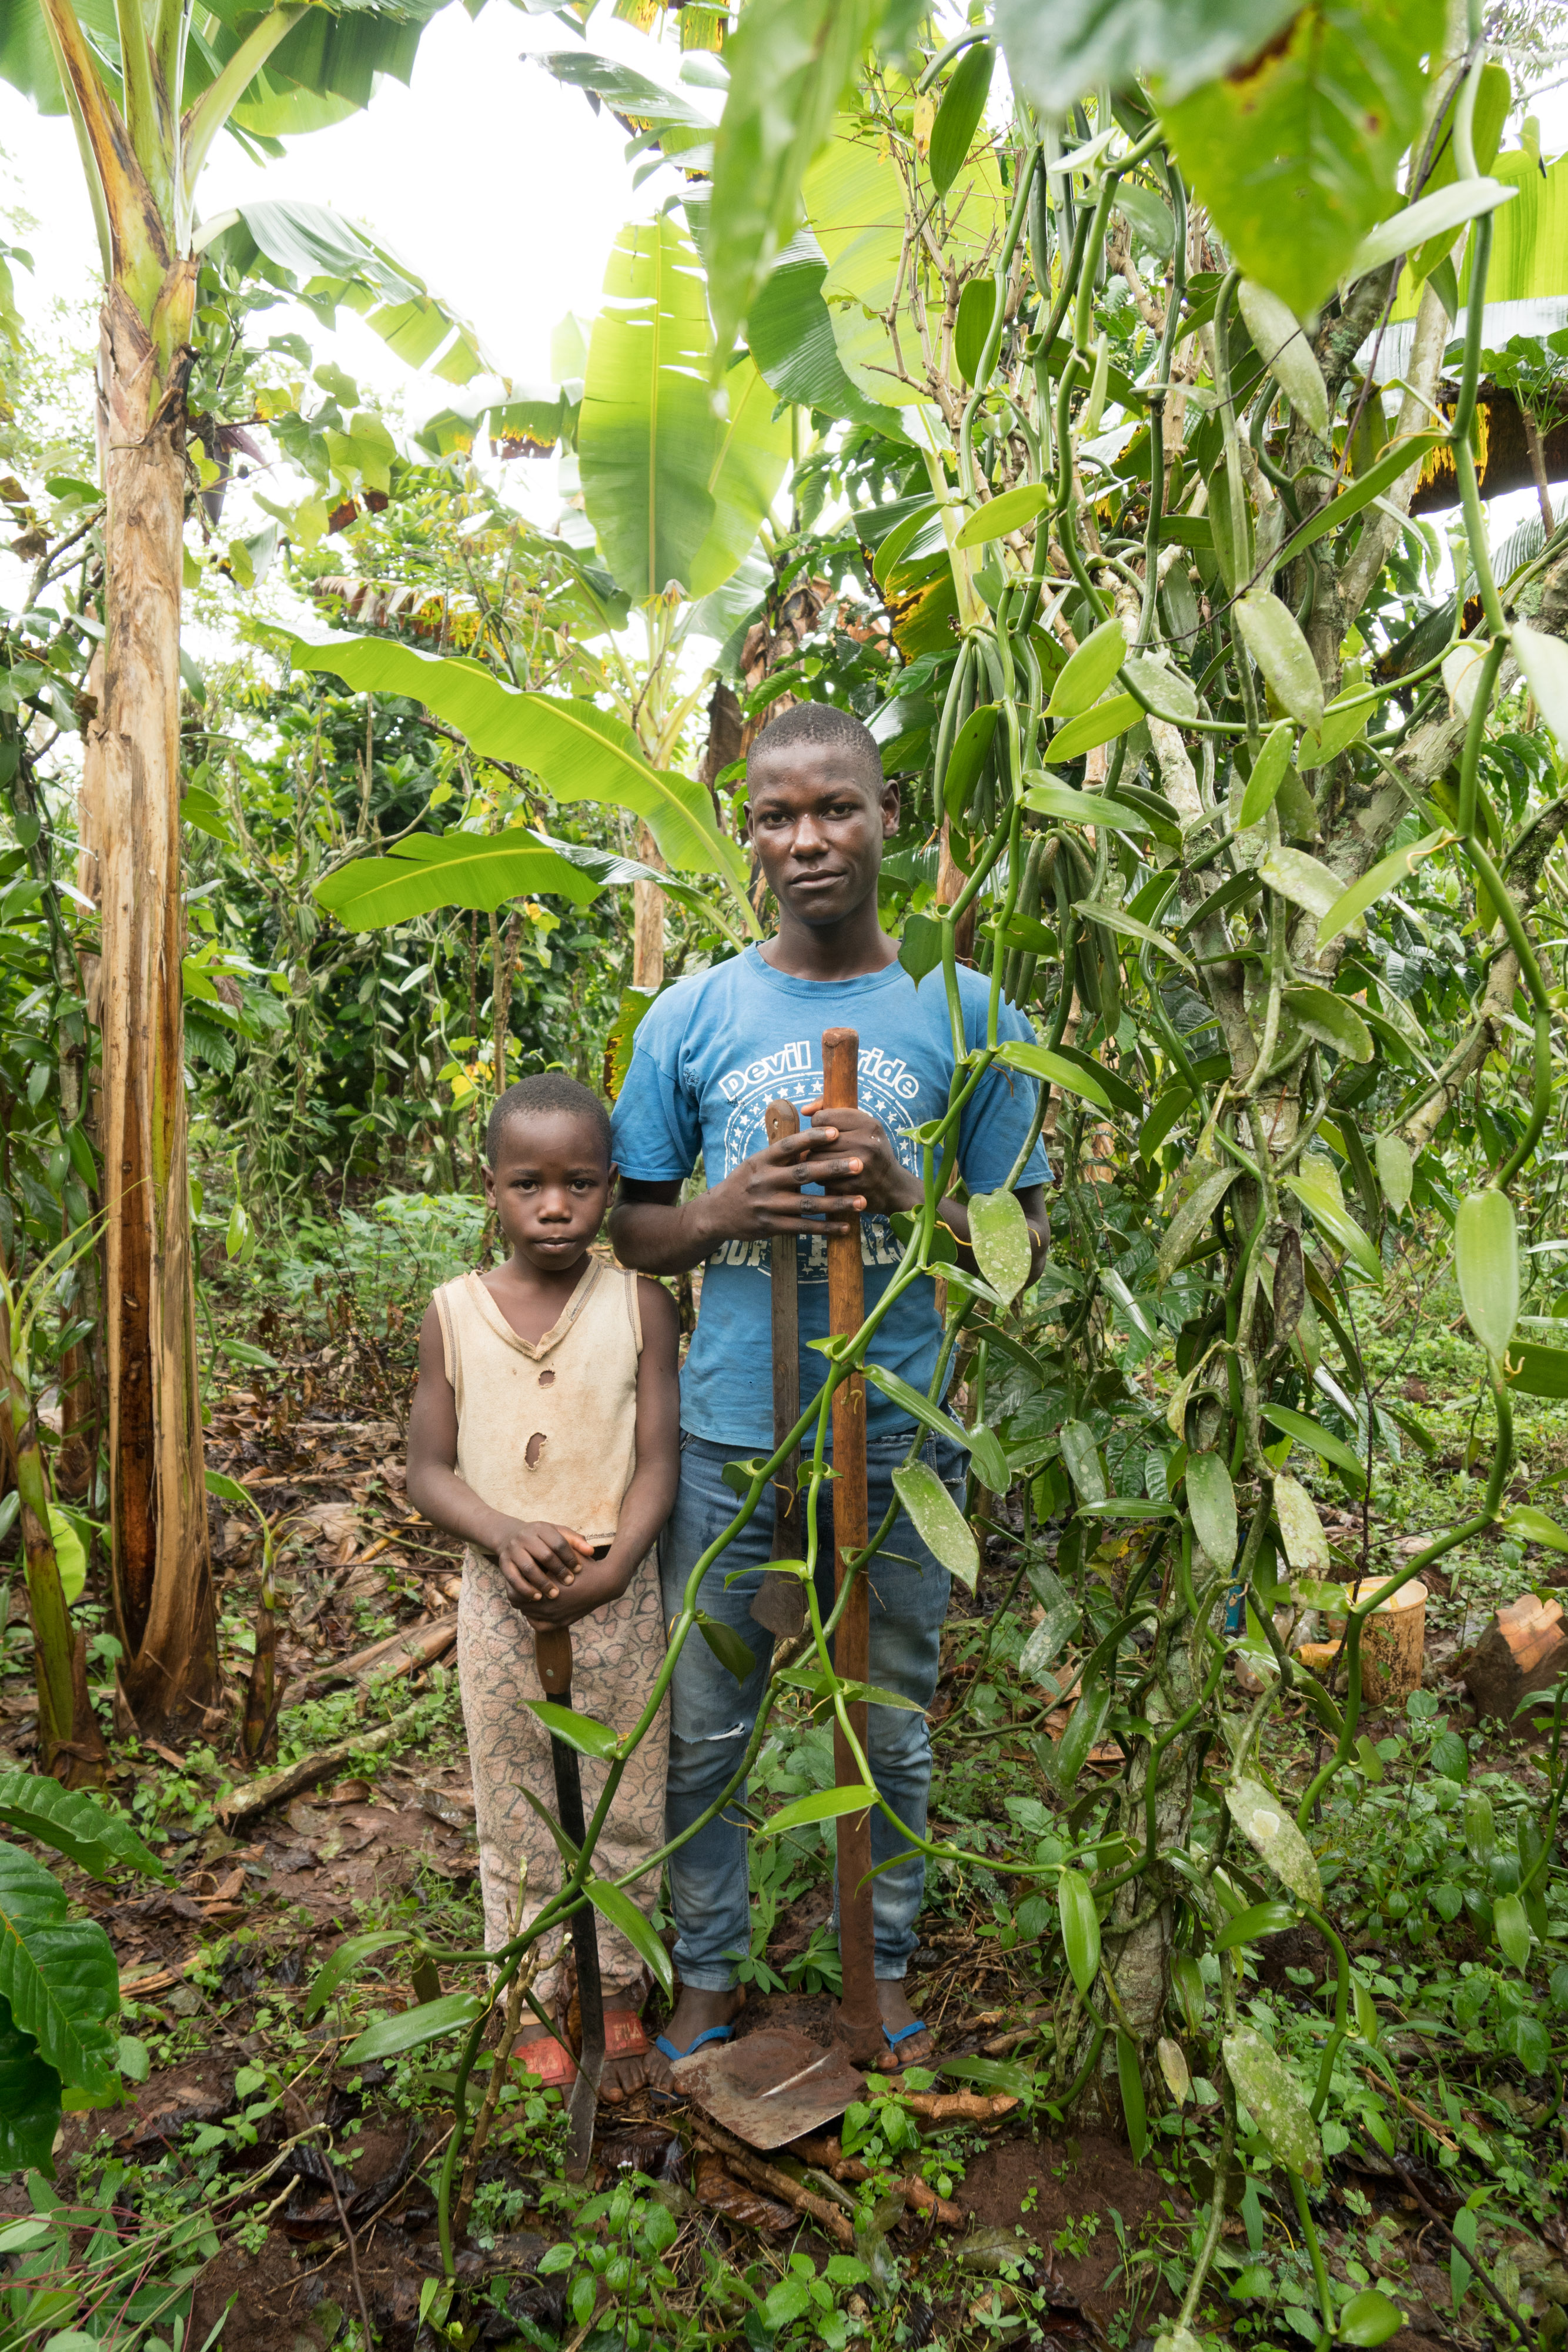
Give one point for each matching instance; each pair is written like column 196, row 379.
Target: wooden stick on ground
column 1024, row 2022
column 1411, row 2106
column 256, row 1796
column 396, row 1654
column 762, row 2175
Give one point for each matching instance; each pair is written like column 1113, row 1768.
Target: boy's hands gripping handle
column 552, row 1657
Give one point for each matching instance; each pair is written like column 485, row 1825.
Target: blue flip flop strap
column 892, row 2040
column 713, row 2033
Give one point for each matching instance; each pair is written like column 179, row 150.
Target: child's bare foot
column 696, row 2013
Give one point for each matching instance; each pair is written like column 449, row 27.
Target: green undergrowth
column 1442, row 2131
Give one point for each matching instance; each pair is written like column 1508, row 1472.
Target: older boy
column 710, row 1054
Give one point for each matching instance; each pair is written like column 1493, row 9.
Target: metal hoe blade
column 583, row 2107
column 771, row 2086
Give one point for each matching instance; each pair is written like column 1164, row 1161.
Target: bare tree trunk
column 164, row 1604
column 503, row 947
column 648, row 920
column 475, row 1136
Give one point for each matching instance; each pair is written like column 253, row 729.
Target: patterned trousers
column 616, row 1655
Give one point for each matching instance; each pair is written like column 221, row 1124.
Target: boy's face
column 550, row 1187
column 817, row 828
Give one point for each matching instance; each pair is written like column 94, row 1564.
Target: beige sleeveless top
column 547, row 1429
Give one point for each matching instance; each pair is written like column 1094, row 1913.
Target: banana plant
column 678, row 478
column 583, row 754
column 149, row 84
column 59, row 1985
column 678, row 482
column 675, row 481
column 69, row 1739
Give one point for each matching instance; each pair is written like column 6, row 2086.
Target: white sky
column 500, row 187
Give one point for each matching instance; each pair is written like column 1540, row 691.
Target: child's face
column 550, row 1188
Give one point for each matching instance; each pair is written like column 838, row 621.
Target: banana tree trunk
column 80, row 1383
column 70, row 1744
column 504, row 948
column 647, row 920
column 163, row 1602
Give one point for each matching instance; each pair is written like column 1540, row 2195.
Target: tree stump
column 1525, row 1648
column 1393, row 1643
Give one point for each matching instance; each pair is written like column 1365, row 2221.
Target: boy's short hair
column 547, row 1091
column 825, row 723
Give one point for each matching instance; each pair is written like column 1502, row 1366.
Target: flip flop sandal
column 904, row 2033
column 623, row 2034
column 662, row 2095
column 623, row 2037
column 550, row 2060
column 712, row 2034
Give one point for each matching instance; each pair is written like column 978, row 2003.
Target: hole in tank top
column 545, row 1379
column 534, row 1448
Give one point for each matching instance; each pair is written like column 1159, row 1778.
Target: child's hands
column 539, row 1561
column 595, row 1583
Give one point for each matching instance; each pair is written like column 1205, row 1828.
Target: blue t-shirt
column 710, row 1054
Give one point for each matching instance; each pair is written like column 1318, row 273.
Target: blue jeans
column 712, row 1715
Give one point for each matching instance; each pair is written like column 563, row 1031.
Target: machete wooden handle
column 780, row 1602
column 553, row 1656
column 859, row 2023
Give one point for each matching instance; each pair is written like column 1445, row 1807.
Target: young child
column 545, row 1432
